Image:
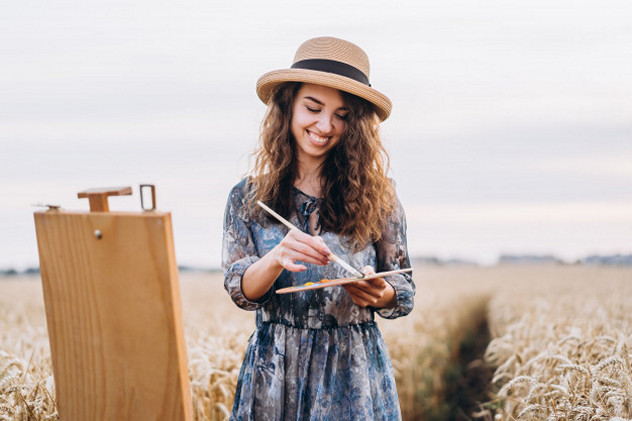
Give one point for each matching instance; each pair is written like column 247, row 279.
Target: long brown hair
column 356, row 194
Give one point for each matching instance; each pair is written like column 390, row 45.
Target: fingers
column 293, row 267
column 369, row 292
column 371, row 288
column 367, row 270
column 313, row 247
column 362, row 297
column 297, row 245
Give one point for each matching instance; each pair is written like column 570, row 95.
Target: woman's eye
column 312, row 110
column 342, row 117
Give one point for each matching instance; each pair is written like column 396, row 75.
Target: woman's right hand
column 297, row 245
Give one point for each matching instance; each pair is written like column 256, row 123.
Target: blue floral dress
column 315, row 355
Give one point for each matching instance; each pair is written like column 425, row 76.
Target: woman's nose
column 324, row 124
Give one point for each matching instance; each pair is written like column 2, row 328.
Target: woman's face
column 318, row 121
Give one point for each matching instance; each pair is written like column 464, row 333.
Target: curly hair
column 356, row 194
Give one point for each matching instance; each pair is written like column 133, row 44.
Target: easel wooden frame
column 114, row 313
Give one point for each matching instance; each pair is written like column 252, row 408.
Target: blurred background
column 511, row 131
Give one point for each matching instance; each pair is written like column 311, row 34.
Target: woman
column 318, row 354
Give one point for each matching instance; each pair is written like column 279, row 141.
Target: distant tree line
column 605, row 260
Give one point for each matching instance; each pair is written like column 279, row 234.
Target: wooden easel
column 114, row 312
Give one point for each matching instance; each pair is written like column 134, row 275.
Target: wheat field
column 560, row 344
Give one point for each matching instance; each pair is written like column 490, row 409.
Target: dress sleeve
column 392, row 254
column 238, row 249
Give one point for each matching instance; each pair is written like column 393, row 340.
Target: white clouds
column 571, row 213
column 491, row 102
column 481, row 232
column 599, row 164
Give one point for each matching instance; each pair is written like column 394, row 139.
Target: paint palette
column 324, row 283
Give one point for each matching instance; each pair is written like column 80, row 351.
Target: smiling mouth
column 319, row 140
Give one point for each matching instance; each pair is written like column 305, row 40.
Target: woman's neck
column 308, row 179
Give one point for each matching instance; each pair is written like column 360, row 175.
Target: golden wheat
column 421, row 345
column 562, row 342
column 216, row 333
column 562, row 346
column 27, row 388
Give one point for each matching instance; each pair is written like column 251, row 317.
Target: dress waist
column 317, row 321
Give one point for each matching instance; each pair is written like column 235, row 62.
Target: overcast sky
column 511, row 128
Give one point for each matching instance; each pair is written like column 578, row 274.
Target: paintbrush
column 332, row 256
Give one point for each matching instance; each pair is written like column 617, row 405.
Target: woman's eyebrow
column 311, row 98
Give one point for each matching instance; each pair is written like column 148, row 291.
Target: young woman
column 318, row 354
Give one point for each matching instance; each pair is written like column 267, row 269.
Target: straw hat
column 330, row 62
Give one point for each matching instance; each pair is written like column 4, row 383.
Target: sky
column 511, row 129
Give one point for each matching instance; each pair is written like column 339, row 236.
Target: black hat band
column 333, row 66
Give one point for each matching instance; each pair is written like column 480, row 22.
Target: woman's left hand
column 373, row 292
